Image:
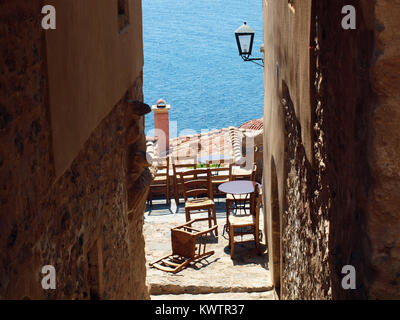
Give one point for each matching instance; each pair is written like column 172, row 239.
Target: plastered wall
column 87, row 55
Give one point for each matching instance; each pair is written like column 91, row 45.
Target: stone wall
column 344, row 105
column 383, row 202
column 306, row 271
column 331, row 143
column 86, row 223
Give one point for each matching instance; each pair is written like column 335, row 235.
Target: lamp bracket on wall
column 254, row 60
column 244, row 40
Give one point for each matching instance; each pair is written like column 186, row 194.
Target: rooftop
column 256, row 124
column 226, row 141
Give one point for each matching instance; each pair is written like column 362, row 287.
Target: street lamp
column 244, row 39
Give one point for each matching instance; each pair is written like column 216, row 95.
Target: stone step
column 178, row 289
column 265, row 295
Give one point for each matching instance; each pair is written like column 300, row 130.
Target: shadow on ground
column 246, row 272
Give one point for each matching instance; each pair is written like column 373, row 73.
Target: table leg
column 238, row 205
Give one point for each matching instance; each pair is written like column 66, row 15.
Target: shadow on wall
column 276, row 237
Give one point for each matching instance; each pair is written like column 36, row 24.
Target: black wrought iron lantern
column 244, row 39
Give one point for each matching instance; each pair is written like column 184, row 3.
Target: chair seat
column 241, row 172
column 244, row 220
column 152, row 186
column 200, row 202
column 160, row 179
column 186, row 177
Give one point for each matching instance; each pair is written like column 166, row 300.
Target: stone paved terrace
column 218, row 276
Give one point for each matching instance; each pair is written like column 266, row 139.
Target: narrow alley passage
column 246, row 276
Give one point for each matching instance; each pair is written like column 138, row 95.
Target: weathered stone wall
column 383, row 225
column 87, row 223
column 288, row 153
column 335, row 153
column 343, row 103
column 306, row 271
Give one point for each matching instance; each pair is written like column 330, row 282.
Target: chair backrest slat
column 196, row 192
column 163, row 169
column 175, row 167
column 221, row 173
column 199, row 182
column 245, row 176
column 194, row 182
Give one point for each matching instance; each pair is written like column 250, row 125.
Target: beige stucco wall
column 86, row 55
column 288, row 63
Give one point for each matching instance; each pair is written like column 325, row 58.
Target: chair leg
column 150, row 198
column 215, row 219
column 231, row 239
column 176, row 193
column 229, row 234
column 257, row 239
column 176, row 199
column 168, row 197
column 187, row 213
column 209, row 218
column 228, row 208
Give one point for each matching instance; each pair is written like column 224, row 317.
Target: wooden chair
column 161, row 181
column 241, row 174
column 177, row 168
column 247, row 223
column 184, row 250
column 244, row 174
column 197, row 191
column 220, row 175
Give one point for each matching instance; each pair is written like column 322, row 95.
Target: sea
column 191, row 60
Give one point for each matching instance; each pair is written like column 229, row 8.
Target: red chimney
column 161, row 125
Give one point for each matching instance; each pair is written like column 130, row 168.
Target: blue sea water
column 191, row 60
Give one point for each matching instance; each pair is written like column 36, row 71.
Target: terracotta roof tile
column 225, row 141
column 256, row 124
